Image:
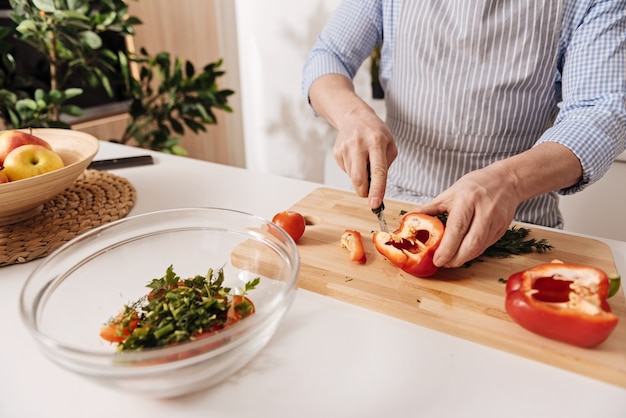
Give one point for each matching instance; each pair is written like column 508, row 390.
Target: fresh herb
column 514, row 242
column 177, row 310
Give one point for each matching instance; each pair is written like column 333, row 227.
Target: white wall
column 281, row 134
column 600, row 210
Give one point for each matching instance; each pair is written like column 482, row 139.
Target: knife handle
column 379, row 209
column 121, row 162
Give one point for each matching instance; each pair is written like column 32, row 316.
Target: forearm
column 545, row 168
column 482, row 203
column 592, row 112
column 364, row 147
column 333, row 97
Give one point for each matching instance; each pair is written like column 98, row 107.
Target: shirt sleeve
column 592, row 117
column 346, row 41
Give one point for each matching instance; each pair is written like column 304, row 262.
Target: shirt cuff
column 592, row 139
column 318, row 66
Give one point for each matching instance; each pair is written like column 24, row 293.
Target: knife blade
column 380, row 214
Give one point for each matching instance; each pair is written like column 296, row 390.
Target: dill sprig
column 514, row 242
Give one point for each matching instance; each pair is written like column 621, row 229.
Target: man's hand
column 364, row 147
column 481, row 204
column 479, row 212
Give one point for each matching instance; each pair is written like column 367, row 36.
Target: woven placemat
column 95, row 198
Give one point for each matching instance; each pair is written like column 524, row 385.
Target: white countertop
column 327, row 359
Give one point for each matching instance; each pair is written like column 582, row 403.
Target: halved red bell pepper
column 562, row 301
column 353, row 241
column 412, row 246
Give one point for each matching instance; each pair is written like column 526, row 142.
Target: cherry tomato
column 292, row 222
column 240, row 308
column 119, row 328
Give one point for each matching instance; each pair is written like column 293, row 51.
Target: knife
column 121, row 162
column 379, row 211
column 380, row 214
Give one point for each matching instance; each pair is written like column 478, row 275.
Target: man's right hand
column 364, row 147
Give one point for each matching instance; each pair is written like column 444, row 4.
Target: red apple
column 31, row 160
column 9, row 140
column 3, row 176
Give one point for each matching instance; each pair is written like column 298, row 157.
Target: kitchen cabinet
column 104, row 128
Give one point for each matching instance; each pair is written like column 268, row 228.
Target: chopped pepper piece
column 353, row 242
column 412, row 246
column 562, row 301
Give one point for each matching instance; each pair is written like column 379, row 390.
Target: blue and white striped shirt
column 590, row 78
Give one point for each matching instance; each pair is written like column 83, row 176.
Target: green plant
column 377, row 89
column 68, row 33
column 8, row 76
column 169, row 96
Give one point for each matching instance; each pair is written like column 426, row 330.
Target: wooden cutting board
column 464, row 302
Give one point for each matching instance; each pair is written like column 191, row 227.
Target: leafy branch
column 514, row 242
column 169, row 97
column 68, row 33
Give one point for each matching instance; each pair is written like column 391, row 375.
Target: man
column 493, row 107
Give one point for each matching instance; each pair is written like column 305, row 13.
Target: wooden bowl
column 22, row 199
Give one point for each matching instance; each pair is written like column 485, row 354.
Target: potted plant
column 377, row 88
column 166, row 96
column 68, row 35
column 169, row 96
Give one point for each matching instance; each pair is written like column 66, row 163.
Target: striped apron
column 473, row 82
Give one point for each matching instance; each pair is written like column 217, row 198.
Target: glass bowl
column 80, row 286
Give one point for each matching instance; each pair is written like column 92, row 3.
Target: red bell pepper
column 562, row 301
column 412, row 246
column 353, row 241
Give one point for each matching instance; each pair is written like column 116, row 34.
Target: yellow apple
column 3, row 176
column 11, row 139
column 31, row 160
